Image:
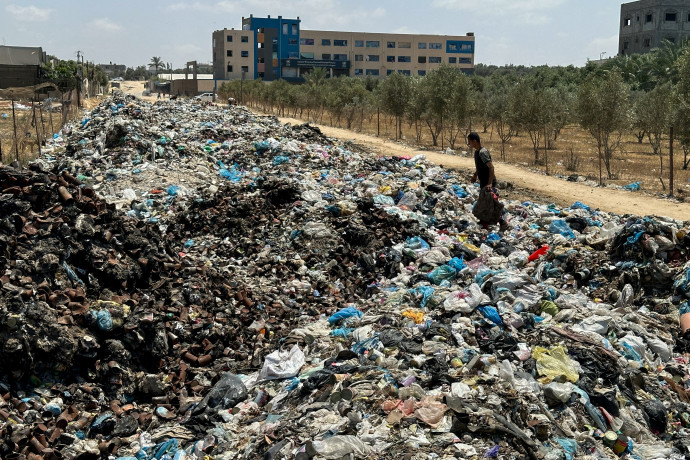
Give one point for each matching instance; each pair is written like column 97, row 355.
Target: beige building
column 378, row 55
column 273, row 48
column 233, row 54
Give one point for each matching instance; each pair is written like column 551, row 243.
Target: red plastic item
column 538, row 253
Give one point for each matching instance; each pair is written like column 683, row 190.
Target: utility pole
column 670, row 151
column 78, row 81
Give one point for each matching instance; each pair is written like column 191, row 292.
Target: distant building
column 646, row 23
column 273, row 48
column 21, row 66
column 113, row 70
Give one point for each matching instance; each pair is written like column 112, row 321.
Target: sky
column 518, row 32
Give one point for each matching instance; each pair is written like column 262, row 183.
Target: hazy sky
column 527, row 32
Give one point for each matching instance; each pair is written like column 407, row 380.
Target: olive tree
column 603, row 110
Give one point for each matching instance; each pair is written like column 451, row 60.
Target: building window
column 404, row 72
column 359, row 72
column 359, row 43
column 390, row 44
column 372, row 43
column 671, row 39
column 244, row 38
column 627, row 22
column 464, row 61
column 305, row 55
column 389, row 71
column 421, row 45
column 625, row 45
column 670, row 17
column 293, row 54
column 292, row 41
column 285, row 28
column 688, row 17
column 434, row 46
column 452, row 60
column 421, row 59
column 404, row 59
column 229, row 67
column 228, row 53
column 339, row 42
column 294, row 29
column 325, row 42
column 245, row 68
column 244, row 53
column 306, row 41
column 359, row 57
column 390, row 58
column 648, row 18
column 434, row 59
column 230, row 38
column 646, row 43
column 340, row 57
column 421, row 73
column 326, row 56
column 374, row 72
column 404, row 44
column 373, row 58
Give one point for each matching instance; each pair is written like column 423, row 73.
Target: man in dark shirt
column 484, row 170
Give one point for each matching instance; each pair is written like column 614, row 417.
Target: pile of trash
column 189, row 281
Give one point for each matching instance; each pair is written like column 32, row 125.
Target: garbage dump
column 188, row 282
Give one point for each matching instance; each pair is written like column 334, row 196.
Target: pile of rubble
column 188, row 281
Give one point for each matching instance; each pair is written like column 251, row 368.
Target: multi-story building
column 646, row 23
column 273, row 48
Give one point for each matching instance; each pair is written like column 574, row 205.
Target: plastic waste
column 538, row 253
column 336, row 447
column 554, row 363
column 226, row 393
column 282, row 364
column 345, row 313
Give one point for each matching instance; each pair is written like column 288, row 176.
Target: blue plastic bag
column 491, row 314
column 441, row 274
column 280, row 159
column 568, row 445
column 562, row 227
column 416, row 242
column 426, row 291
column 682, row 284
column 457, row 263
column 172, row 190
column 261, row 146
column 345, row 313
column 459, row 191
column 103, row 319
column 579, row 205
column 635, row 186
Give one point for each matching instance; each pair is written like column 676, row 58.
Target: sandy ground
column 523, row 184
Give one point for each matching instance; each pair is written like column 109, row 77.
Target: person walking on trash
column 484, row 171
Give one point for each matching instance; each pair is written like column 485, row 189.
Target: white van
column 205, row 97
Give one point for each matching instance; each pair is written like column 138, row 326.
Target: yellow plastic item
column 554, row 363
column 417, row 316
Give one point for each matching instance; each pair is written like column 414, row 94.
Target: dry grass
column 28, row 135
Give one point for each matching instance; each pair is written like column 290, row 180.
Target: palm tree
column 156, row 63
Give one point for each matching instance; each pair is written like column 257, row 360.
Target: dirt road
column 526, row 185
column 535, row 187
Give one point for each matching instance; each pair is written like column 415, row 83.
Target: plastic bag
column 282, row 364
column 442, row 273
column 226, row 393
column 457, row 263
column 345, row 313
column 538, row 253
column 431, row 412
column 491, row 314
column 425, row 291
column 416, row 316
column 554, row 363
column 487, row 209
column 336, row 447
column 560, row 226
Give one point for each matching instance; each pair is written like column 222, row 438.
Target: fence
column 28, row 118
